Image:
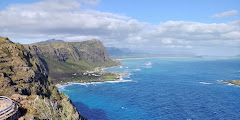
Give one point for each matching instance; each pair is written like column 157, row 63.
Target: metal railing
column 6, row 110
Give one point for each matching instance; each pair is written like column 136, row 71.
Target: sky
column 200, row 27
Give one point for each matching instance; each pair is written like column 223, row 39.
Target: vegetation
column 106, row 76
column 69, row 71
column 24, row 79
column 67, row 61
column 24, row 75
column 5, row 50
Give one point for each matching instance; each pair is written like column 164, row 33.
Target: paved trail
column 8, row 108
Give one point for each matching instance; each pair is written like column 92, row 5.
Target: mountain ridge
column 65, row 61
column 25, row 80
column 48, row 41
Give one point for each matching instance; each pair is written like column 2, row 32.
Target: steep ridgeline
column 23, row 78
column 49, row 41
column 67, row 60
column 92, row 50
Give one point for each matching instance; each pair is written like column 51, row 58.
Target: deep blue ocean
column 163, row 89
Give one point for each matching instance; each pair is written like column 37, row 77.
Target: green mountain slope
column 66, row 61
column 25, row 80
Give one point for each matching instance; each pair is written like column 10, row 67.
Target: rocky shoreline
column 234, row 82
column 119, row 77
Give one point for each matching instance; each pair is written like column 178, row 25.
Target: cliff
column 25, row 80
column 67, row 60
column 92, row 50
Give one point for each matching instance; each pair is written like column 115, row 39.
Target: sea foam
column 206, row 83
column 136, row 69
column 62, row 87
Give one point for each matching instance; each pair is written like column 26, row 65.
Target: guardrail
column 6, row 110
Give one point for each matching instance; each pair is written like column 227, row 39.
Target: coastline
column 201, row 57
column 118, row 78
column 123, row 58
column 232, row 82
column 95, row 92
column 151, row 57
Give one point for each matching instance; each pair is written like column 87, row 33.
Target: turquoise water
column 163, row 89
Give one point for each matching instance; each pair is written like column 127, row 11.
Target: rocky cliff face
column 23, row 78
column 92, row 50
column 67, row 60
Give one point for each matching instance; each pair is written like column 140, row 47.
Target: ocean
column 163, row 89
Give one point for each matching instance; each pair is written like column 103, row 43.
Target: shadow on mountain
column 44, row 64
column 90, row 114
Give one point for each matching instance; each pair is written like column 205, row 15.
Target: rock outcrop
column 92, row 50
column 65, row 61
column 25, row 80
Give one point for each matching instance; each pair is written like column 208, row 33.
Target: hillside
column 92, row 50
column 49, row 41
column 65, row 61
column 25, row 80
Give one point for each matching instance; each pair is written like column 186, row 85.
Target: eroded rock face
column 19, row 69
column 24, row 79
column 92, row 50
column 63, row 59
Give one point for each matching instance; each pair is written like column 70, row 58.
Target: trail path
column 8, row 108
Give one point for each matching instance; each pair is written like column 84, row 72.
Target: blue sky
column 5, row 3
column 201, row 27
column 156, row 11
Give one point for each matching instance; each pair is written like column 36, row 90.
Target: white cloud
column 64, row 19
column 225, row 14
column 91, row 2
column 48, row 18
